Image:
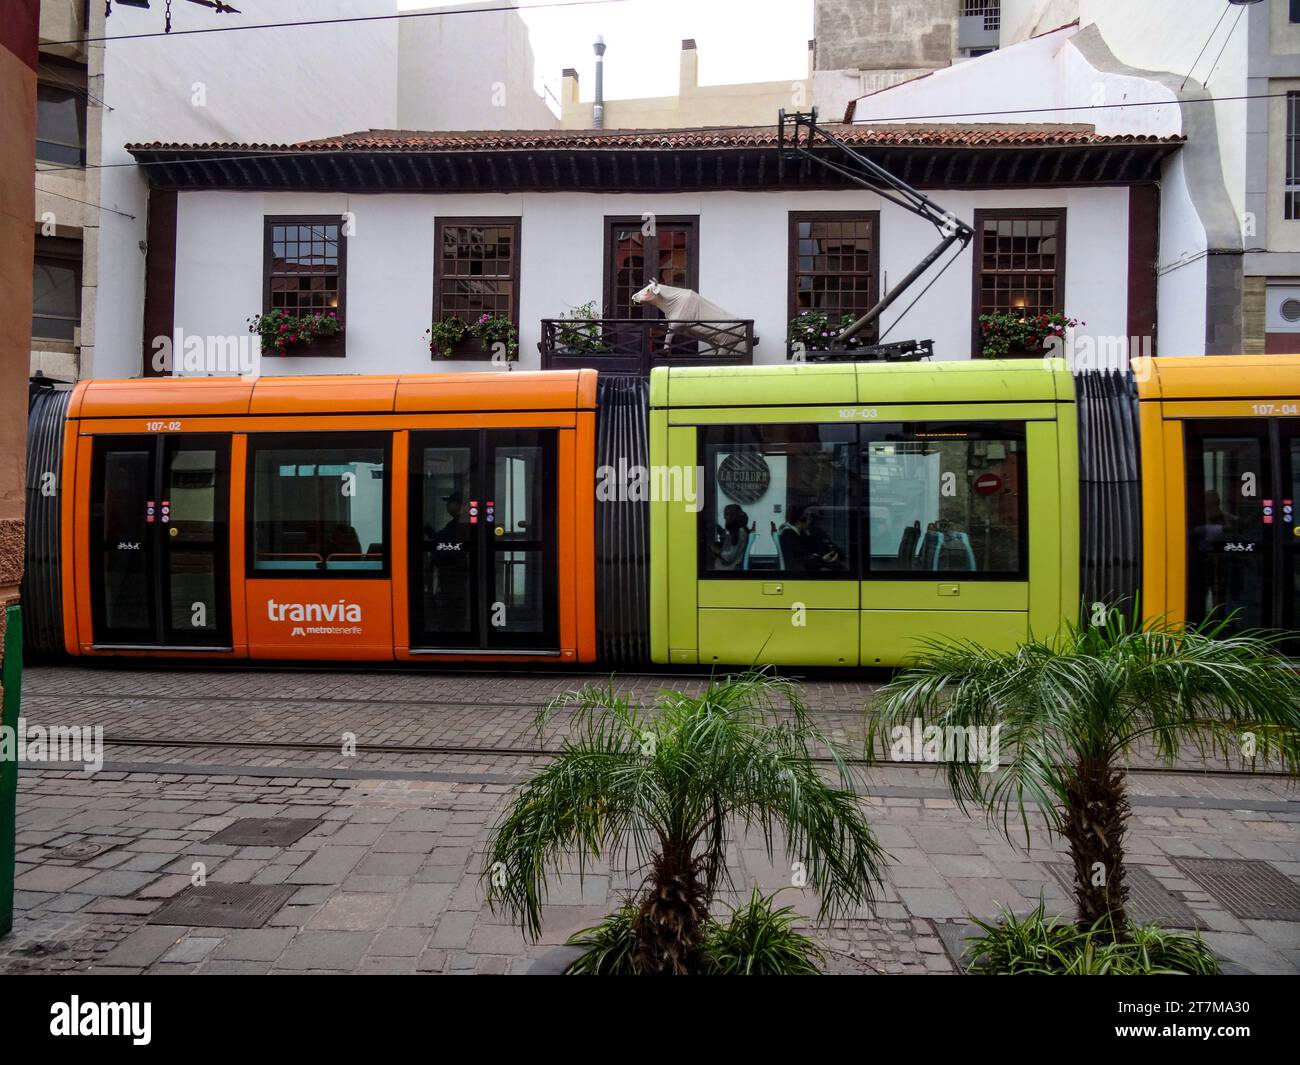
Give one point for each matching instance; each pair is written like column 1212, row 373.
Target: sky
column 738, row 40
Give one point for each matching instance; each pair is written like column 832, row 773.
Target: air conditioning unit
column 1282, row 309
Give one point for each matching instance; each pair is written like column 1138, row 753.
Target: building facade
column 69, row 118
column 393, row 233
column 1071, row 74
column 426, row 70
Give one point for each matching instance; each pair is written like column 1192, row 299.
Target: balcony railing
column 637, row 345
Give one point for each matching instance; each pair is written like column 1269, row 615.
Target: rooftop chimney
column 598, row 108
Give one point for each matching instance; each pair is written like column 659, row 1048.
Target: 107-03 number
column 162, row 427
column 1275, row 408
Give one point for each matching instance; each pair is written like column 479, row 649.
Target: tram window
column 777, row 499
column 318, row 505
column 945, row 499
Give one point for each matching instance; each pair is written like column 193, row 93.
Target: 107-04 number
column 1276, row 408
column 162, row 427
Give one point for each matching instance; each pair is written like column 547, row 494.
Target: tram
column 830, row 514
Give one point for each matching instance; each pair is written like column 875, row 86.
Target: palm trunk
column 669, row 928
column 1097, row 810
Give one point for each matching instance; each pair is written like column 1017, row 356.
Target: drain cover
column 82, row 849
column 224, row 906
column 265, row 831
column 1148, row 899
column 1246, row 887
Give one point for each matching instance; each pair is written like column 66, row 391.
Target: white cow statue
column 690, row 314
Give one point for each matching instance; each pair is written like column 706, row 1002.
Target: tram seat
column 751, row 536
column 931, row 549
column 958, row 544
column 907, row 546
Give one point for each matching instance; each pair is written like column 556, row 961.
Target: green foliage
column 579, row 330
column 758, row 940
column 761, row 940
column 447, row 335
column 1034, row 945
column 1014, row 333
column 281, row 331
column 814, row 331
column 610, row 946
column 1092, row 695
column 444, row 335
column 494, row 329
column 1070, row 712
column 676, row 779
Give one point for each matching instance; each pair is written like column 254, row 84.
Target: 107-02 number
column 1275, row 408
column 162, row 427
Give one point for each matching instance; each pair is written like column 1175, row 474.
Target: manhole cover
column 224, row 906
column 1246, row 887
column 1148, row 899
column 265, row 831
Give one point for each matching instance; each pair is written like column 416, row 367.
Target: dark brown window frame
column 471, row 349
column 792, row 266
column 331, row 347
column 977, row 270
column 619, row 221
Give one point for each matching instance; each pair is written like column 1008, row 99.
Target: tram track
column 468, row 750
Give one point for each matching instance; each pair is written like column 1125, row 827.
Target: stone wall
column 884, row 34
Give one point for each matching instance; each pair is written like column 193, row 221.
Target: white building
column 411, row 228
column 424, row 70
column 1229, row 261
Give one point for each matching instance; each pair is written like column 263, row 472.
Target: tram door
column 1243, row 538
column 159, row 541
column 483, row 540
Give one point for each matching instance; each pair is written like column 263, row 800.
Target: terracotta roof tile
column 963, row 135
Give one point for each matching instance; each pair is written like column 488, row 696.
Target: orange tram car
column 459, row 518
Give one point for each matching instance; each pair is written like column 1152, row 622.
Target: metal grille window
column 305, row 270
column 60, row 124
column 1292, row 190
column 477, row 270
column 1019, row 262
column 992, row 11
column 834, row 262
column 56, row 289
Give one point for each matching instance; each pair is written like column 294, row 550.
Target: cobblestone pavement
column 388, row 879
column 490, row 713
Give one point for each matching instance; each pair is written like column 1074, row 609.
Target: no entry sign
column 988, row 483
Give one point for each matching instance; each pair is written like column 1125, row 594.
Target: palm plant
column 663, row 789
column 1069, row 713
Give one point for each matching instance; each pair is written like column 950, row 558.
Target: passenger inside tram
column 805, row 547
column 732, row 541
